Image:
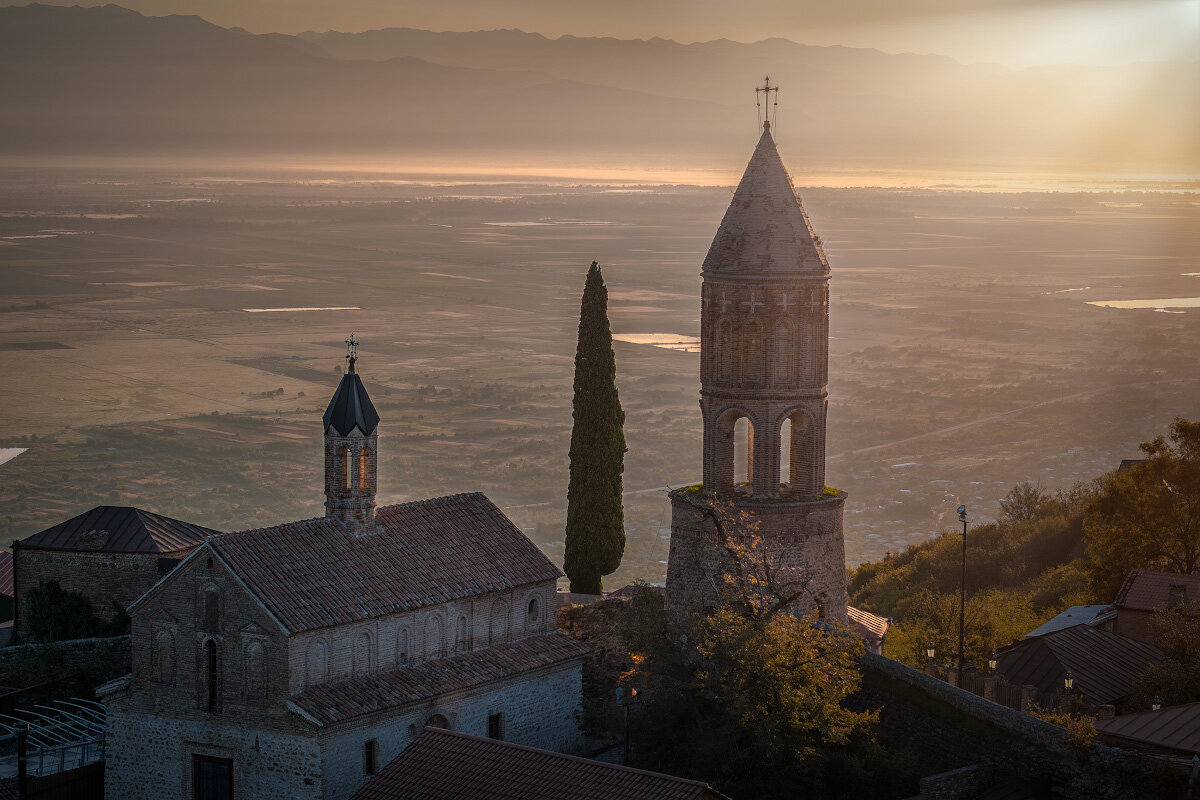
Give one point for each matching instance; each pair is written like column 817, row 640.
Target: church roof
column 120, row 529
column 315, row 573
column 765, row 229
column 448, row 765
column 351, row 408
column 334, row 702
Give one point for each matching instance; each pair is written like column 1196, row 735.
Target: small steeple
column 351, row 455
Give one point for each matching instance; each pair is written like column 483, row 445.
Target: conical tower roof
column 351, row 408
column 765, row 229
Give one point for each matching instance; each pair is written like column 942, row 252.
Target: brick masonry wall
column 803, row 537
column 107, row 580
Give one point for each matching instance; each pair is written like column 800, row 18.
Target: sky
column 1016, row 33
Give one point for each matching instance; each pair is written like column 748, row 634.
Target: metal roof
column 1175, row 728
column 1104, row 664
column 447, row 765
column 350, row 408
column 1075, row 615
column 119, row 529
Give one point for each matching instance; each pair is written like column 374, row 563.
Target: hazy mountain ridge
column 106, row 77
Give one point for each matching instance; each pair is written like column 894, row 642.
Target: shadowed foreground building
column 294, row 661
column 764, row 356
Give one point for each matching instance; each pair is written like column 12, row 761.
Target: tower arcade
column 764, row 355
column 351, row 451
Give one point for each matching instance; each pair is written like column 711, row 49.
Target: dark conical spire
column 351, row 407
column 765, row 229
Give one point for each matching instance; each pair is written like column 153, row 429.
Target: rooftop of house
column 1075, row 615
column 445, row 765
column 1147, row 590
column 1104, row 664
column 765, row 228
column 326, row 704
column 867, row 626
column 315, row 574
column 120, row 529
column 1176, row 728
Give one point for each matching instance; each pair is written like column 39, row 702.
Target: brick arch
column 806, row 449
column 724, row 354
column 783, row 353
column 751, row 357
column 435, row 638
column 725, row 425
column 364, row 653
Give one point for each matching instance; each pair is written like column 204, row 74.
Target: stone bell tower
column 351, row 451
column 764, row 358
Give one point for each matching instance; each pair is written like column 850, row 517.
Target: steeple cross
column 753, row 302
column 724, row 303
column 785, row 301
column 762, row 96
column 352, row 351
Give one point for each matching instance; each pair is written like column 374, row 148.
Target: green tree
column 595, row 532
column 1148, row 516
column 1176, row 679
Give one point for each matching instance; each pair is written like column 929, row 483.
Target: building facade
column 294, row 661
column 764, row 358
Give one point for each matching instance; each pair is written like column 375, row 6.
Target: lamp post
column 930, row 654
column 962, row 596
column 626, row 699
column 992, row 662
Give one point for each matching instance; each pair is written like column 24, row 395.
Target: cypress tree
column 595, row 534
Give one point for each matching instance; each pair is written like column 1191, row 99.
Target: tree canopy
column 595, row 530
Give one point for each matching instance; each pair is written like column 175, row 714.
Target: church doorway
column 212, row 778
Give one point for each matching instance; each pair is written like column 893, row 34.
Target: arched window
column 434, row 642
column 751, row 357
column 724, row 355
column 364, row 470
column 461, row 643
column 743, row 451
column 318, row 664
column 362, row 654
column 212, row 673
column 345, row 459
column 212, row 609
column 808, row 356
column 402, row 647
column 498, row 630
column 437, row 721
column 164, row 657
column 785, row 452
column 256, row 670
column 783, row 353
column 533, row 613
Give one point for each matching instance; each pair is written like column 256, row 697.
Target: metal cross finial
column 762, row 94
column 352, row 351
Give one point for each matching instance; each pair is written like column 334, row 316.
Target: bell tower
column 351, row 451
column 764, row 358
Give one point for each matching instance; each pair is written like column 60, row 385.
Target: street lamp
column 930, row 651
column 1069, row 682
column 962, row 596
column 992, row 662
column 1156, row 704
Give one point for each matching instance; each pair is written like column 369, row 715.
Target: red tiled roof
column 314, row 573
column 1174, row 728
column 867, row 625
column 1104, row 664
column 329, row 703
column 1146, row 590
column 6, row 573
column 445, row 765
column 120, row 529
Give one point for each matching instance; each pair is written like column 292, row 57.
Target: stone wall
column 108, row 580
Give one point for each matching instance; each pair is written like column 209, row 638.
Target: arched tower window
column 317, row 664
column 362, row 654
column 345, row 463
column 256, row 670
column 533, row 614
column 212, row 609
column 751, row 356
column 461, row 639
column 402, row 648
column 724, row 354
column 743, row 451
column 164, row 657
column 212, row 673
column 785, row 452
column 783, row 355
column 364, row 468
column 808, row 355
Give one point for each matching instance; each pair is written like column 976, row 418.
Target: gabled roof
column 1104, row 664
column 351, row 408
column 446, row 765
column 867, row 626
column 120, row 529
column 333, row 702
column 1175, row 728
column 1075, row 615
column 765, row 229
column 314, row 573
column 1147, row 590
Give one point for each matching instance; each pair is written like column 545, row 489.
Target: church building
column 295, row 661
column 764, row 362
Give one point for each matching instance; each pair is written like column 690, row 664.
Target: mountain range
column 107, row 79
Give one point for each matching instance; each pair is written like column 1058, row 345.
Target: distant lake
column 667, row 341
column 313, row 308
column 1165, row 302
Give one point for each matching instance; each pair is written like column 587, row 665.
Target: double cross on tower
column 352, row 351
column 762, row 97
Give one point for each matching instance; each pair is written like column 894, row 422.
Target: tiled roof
column 351, row 408
column 1075, row 615
column 1104, row 664
column 314, row 573
column 765, row 228
column 1175, row 728
column 120, row 529
column 1146, row 590
column 6, row 573
column 867, row 625
column 329, row 703
column 445, row 765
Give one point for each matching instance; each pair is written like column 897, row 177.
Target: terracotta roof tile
column 120, row 529
column 1175, row 728
column 1146, row 590
column 867, row 625
column 445, row 765
column 314, row 573
column 329, row 703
